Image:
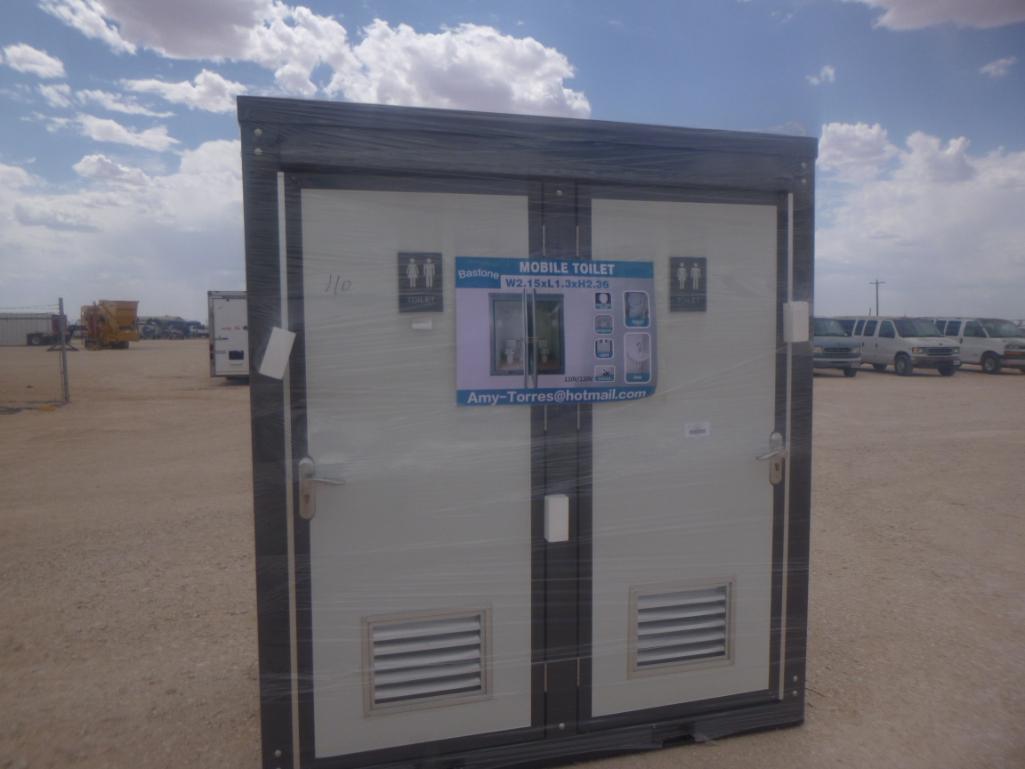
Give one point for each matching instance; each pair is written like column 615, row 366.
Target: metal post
column 62, row 327
column 877, row 283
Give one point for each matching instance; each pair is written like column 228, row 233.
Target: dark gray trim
column 320, row 135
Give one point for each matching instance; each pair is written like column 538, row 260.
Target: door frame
column 284, row 139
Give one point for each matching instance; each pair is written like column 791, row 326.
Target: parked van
column 905, row 344
column 988, row 342
column 229, row 333
column 832, row 347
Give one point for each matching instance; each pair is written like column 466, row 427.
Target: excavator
column 109, row 324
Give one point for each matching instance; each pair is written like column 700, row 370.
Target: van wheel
column 850, row 373
column 991, row 363
column 902, row 365
column 35, row 340
column 879, row 366
column 948, row 370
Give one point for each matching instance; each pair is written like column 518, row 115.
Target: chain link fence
column 34, row 347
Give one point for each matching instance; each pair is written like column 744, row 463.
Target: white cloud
column 941, row 225
column 103, row 168
column 57, row 95
column 207, row 91
column 1000, row 67
column 15, row 177
column 469, row 66
column 854, row 151
column 164, row 238
column 184, row 29
column 117, row 103
column 24, row 58
column 918, row 14
column 39, row 213
column 106, row 130
column 87, row 16
column 825, row 75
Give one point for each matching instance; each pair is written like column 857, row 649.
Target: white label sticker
column 697, row 429
column 275, row 357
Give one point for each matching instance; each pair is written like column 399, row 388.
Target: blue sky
column 118, row 161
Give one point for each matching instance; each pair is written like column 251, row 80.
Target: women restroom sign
column 543, row 331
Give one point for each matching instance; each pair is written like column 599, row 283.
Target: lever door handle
column 776, row 456
column 308, row 480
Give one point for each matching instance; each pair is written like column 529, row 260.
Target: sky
column 119, row 153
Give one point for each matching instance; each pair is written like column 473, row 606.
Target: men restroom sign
column 420, row 283
column 688, row 284
column 539, row 331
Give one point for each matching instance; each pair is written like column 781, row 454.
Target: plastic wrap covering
column 531, row 432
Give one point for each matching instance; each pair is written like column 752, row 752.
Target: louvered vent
column 422, row 659
column 679, row 627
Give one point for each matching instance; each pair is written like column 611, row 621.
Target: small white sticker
column 424, row 324
column 275, row 357
column 697, row 429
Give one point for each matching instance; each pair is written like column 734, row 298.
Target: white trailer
column 26, row 328
column 229, row 334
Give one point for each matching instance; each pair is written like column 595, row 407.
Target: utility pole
column 877, row 283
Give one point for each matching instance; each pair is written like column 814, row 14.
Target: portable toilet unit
column 531, row 433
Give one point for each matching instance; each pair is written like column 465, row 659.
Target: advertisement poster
column 546, row 331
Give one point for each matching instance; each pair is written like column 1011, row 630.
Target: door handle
column 308, row 481
column 776, row 456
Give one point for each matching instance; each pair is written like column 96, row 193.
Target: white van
column 229, row 333
column 988, row 342
column 832, row 347
column 905, row 344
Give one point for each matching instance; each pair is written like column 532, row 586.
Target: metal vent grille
column 673, row 627
column 421, row 659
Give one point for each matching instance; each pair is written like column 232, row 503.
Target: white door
column 420, row 563
column 870, row 351
column 888, row 344
column 973, row 342
column 683, row 510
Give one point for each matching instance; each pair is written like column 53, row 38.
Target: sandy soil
column 29, row 376
column 127, row 607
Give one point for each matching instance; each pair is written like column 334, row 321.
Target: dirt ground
column 127, row 606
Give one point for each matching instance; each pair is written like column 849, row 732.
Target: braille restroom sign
column 420, row 282
column 688, row 284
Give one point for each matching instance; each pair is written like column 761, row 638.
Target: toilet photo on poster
column 605, row 373
column 636, row 309
column 508, row 334
column 603, row 300
column 603, row 349
column 638, row 357
column 603, row 324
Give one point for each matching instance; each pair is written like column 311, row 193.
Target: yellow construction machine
column 110, row 324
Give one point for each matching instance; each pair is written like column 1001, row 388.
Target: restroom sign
column 688, row 284
column 420, row 282
column 544, row 331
